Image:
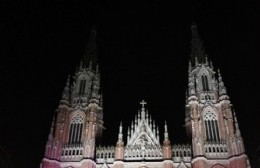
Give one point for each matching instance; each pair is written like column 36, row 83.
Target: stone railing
column 181, row 153
column 216, row 149
column 105, row 154
column 72, row 152
column 148, row 153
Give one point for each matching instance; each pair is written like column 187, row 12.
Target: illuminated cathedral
column 211, row 124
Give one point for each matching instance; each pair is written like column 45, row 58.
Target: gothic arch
column 211, row 124
column 77, row 113
column 76, row 127
column 204, row 78
column 210, row 109
column 218, row 166
column 203, row 70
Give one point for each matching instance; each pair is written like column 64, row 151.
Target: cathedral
column 211, row 124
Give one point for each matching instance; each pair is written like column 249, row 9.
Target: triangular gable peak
column 143, row 141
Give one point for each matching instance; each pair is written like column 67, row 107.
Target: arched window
column 211, row 126
column 205, row 84
column 82, row 86
column 76, row 127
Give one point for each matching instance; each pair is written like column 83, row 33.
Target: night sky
column 143, row 52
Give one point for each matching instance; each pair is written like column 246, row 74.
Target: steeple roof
column 144, row 136
column 197, row 50
column 90, row 55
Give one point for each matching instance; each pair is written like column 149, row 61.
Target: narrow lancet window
column 82, row 86
column 205, row 84
column 211, row 127
column 75, row 132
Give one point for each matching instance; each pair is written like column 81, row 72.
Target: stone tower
column 210, row 117
column 78, row 121
column 211, row 124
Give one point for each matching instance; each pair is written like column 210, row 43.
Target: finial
column 52, row 128
column 120, row 128
column 211, row 64
column 128, row 134
column 97, row 69
column 236, row 125
column 65, row 94
column 196, row 61
column 101, row 99
column 206, row 60
column 68, row 82
column 222, row 88
column 143, row 103
column 154, row 127
column 166, row 136
column 146, row 115
column 120, row 134
column 157, row 133
column 194, row 29
column 81, row 65
column 219, row 76
column 132, row 128
column 165, row 126
column 90, row 65
column 189, row 67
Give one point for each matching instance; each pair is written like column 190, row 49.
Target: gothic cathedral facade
column 211, row 124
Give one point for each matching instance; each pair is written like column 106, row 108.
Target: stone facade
column 211, row 124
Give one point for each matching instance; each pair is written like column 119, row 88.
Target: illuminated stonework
column 210, row 121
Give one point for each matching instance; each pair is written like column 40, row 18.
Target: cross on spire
column 143, row 103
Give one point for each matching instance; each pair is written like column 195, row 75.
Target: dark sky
column 143, row 50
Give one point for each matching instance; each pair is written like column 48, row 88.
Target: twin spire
column 197, row 51
column 89, row 84
column 90, row 56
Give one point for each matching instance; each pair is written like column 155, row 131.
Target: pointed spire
column 139, row 116
column 196, row 61
column 189, row 70
column 197, row 50
column 154, row 127
column 206, row 60
column 101, row 100
column 80, row 65
column 132, row 128
column 222, row 88
column 120, row 134
column 211, row 64
column 166, row 136
column 91, row 53
column 238, row 133
column 146, row 116
column 90, row 65
column 136, row 120
column 150, row 121
column 66, row 91
column 128, row 134
column 157, row 133
column 97, row 69
column 219, row 76
column 52, row 128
